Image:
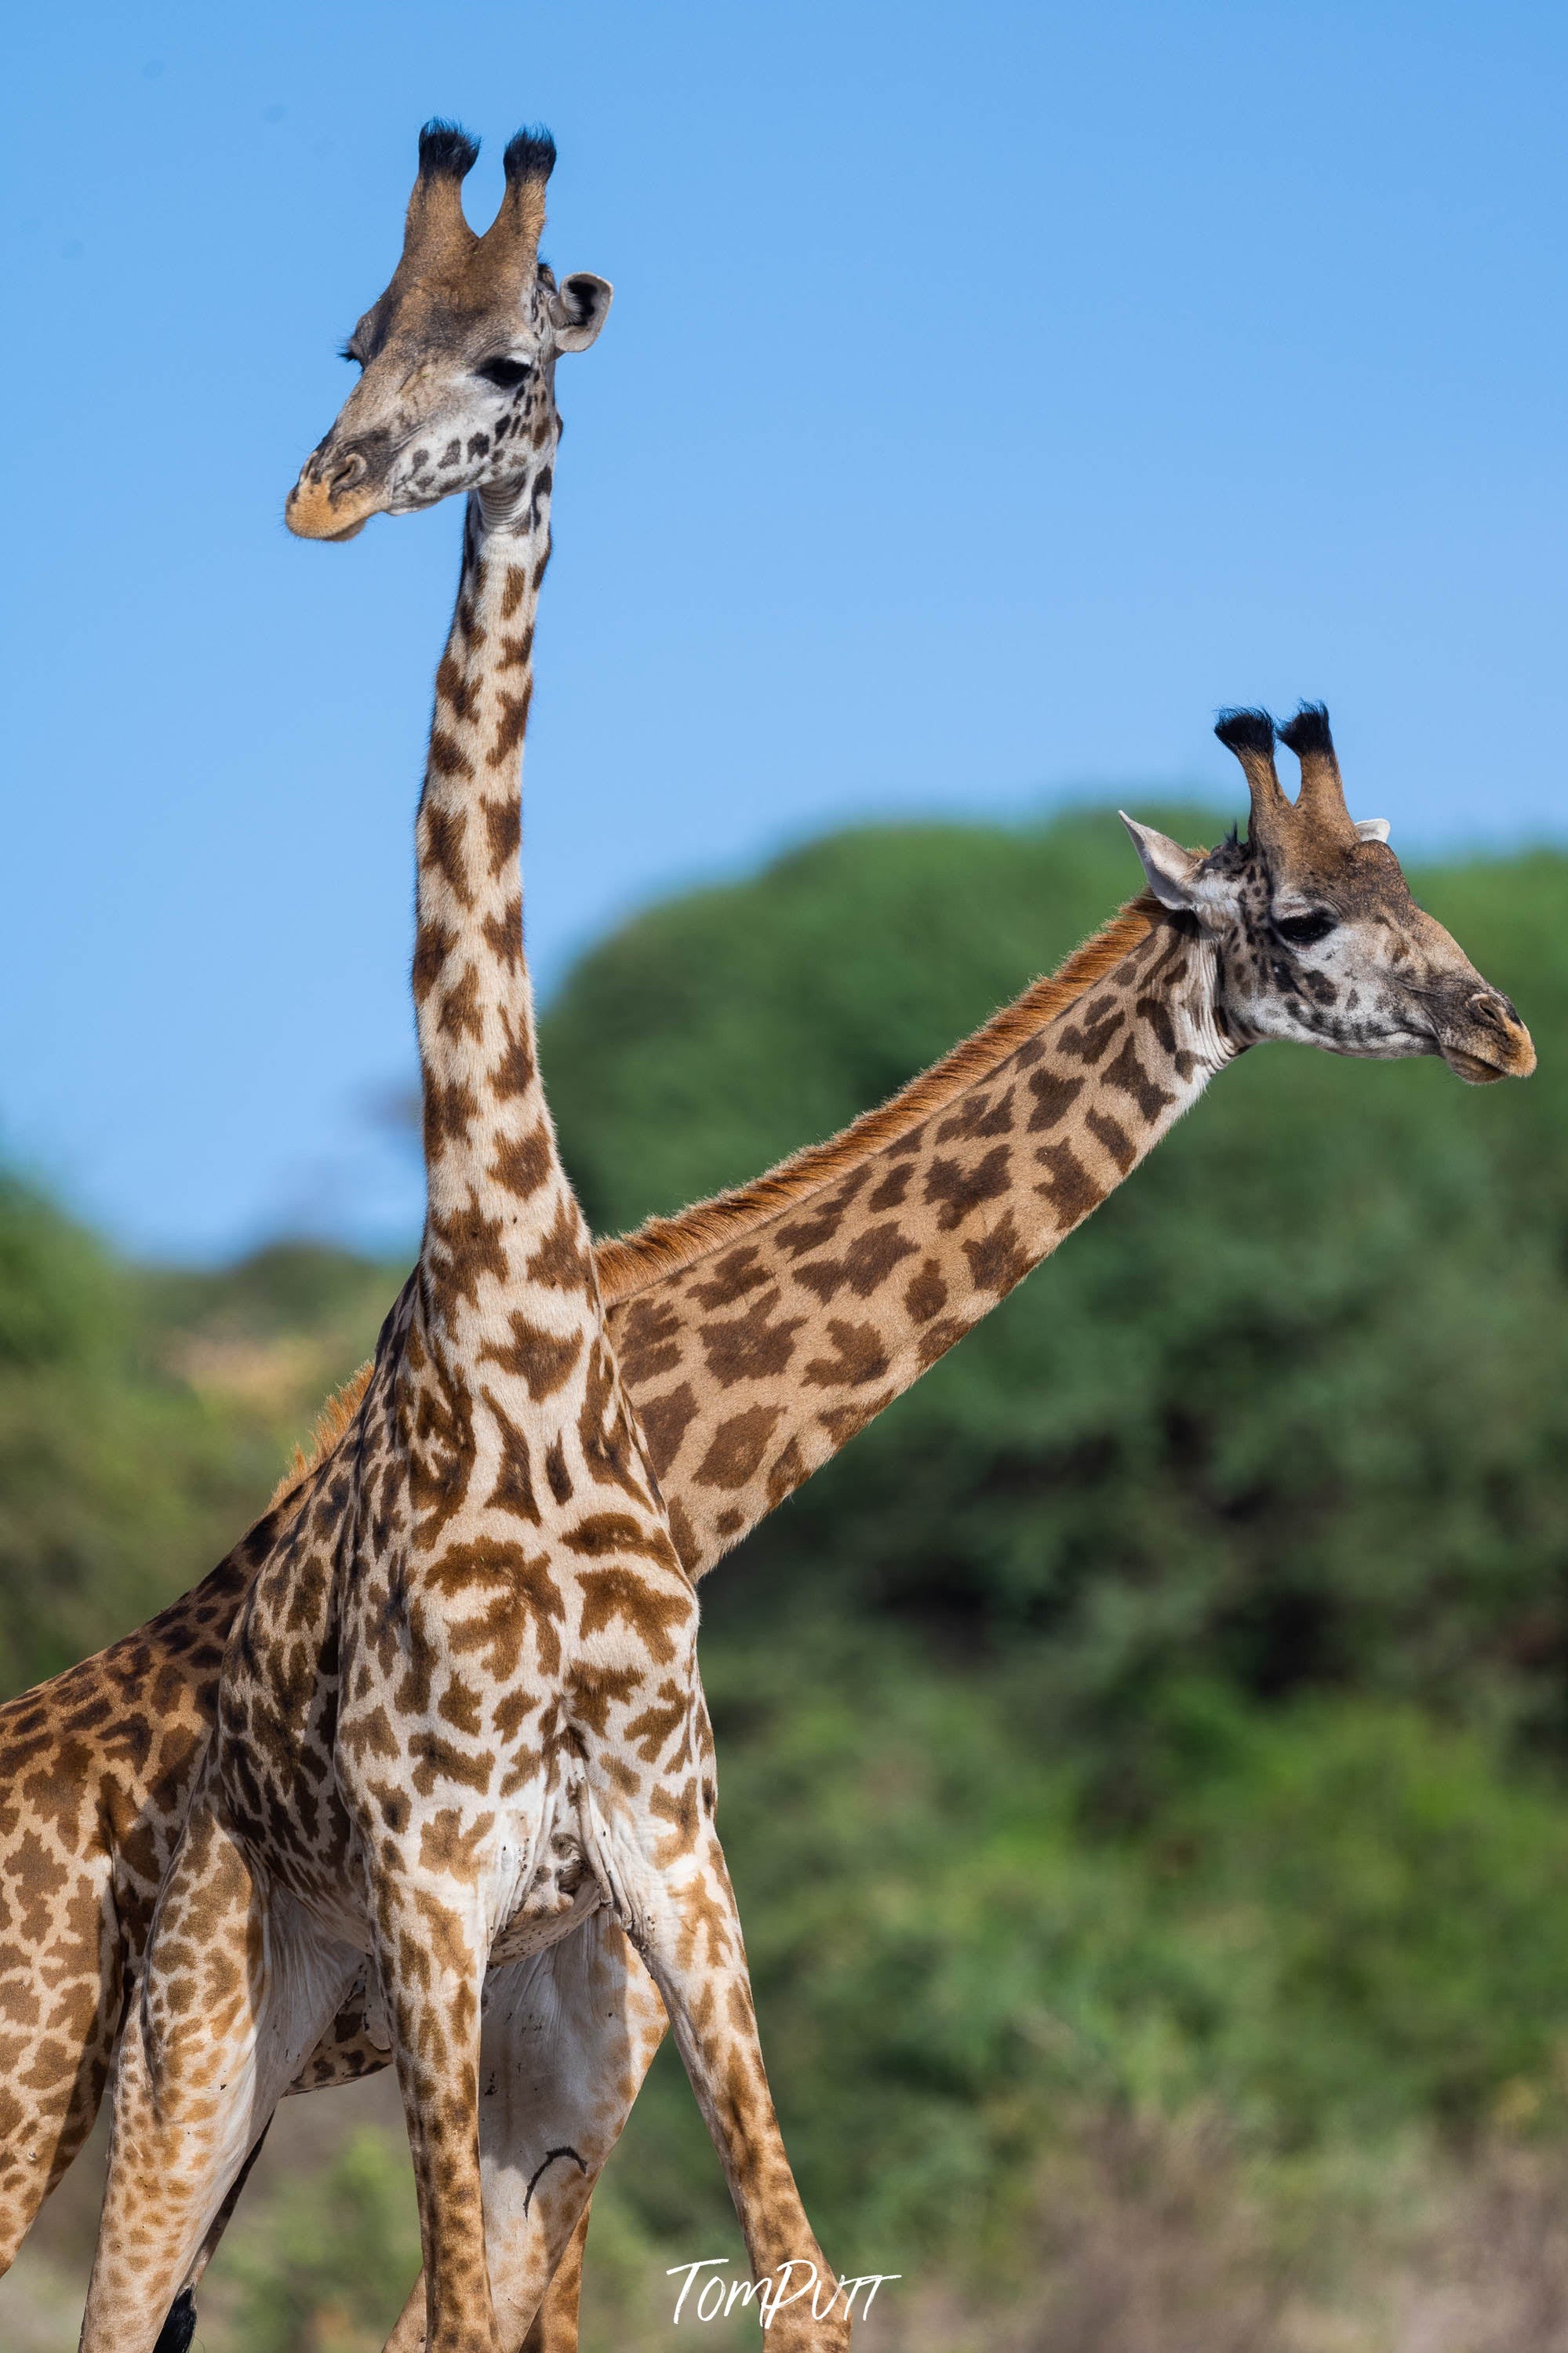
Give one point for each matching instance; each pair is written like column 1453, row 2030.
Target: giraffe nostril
column 1491, row 1007
column 343, row 472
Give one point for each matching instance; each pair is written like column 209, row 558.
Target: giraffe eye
column 1306, row 931
column 505, row 374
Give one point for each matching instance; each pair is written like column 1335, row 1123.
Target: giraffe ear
column 1372, row 828
column 1174, row 875
column 578, row 309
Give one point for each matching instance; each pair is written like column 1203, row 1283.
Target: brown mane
column 330, row 1422
column 628, row 1263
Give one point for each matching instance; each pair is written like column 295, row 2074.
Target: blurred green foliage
column 1161, row 1710
column 349, row 2242
column 111, row 1478
column 144, row 1417
column 1336, row 1922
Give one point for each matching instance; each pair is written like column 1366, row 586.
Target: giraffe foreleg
column 180, row 2326
column 552, row 2329
column 431, row 1947
column 566, row 2039
column 669, row 1884
column 237, row 1985
column 346, row 2054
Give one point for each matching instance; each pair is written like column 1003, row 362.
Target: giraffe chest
column 490, row 1575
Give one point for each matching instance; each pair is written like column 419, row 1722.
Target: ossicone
column 435, row 233
column 529, row 153
column 511, row 241
column 1246, row 731
column 445, row 151
column 1321, row 803
column 1250, row 735
column 1307, row 734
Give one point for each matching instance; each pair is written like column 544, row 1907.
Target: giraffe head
column 1317, row 937
column 458, row 356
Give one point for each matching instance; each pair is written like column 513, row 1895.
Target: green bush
column 111, row 1478
column 1337, row 1922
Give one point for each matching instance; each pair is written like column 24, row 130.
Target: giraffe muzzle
column 1487, row 1041
column 335, row 497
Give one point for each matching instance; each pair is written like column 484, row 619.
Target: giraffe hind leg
column 54, row 2077
column 237, row 1985
column 553, row 2328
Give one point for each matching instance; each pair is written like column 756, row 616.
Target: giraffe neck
column 492, row 1174
column 828, row 1288
column 503, row 1238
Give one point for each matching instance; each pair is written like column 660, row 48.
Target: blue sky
column 991, row 392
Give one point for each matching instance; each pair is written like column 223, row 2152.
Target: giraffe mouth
column 1510, row 1055
column 1471, row 1069
column 311, row 511
column 1482, row 1039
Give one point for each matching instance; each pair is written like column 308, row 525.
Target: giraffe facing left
column 460, row 1717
